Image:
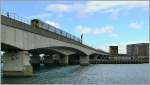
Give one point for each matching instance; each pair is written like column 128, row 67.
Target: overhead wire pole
column 7, row 14
column 82, row 38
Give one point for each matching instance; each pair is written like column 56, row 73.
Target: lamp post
column 81, row 37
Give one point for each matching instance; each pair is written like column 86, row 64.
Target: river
column 91, row 74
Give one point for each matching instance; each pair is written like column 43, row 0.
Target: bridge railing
column 13, row 15
column 65, row 34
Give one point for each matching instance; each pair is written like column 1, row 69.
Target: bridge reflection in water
column 91, row 74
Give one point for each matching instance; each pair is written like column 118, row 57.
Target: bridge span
column 23, row 45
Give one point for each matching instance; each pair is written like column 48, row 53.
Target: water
column 92, row 74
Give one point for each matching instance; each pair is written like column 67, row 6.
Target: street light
column 81, row 37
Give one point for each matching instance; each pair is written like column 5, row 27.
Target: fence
column 14, row 16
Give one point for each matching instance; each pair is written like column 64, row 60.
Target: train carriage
column 38, row 24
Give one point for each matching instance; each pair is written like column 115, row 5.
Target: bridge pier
column 17, row 64
column 35, row 60
column 64, row 60
column 95, row 59
column 84, row 60
column 48, row 60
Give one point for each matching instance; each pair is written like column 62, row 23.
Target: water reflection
column 92, row 74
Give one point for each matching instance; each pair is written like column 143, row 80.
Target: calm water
column 92, row 74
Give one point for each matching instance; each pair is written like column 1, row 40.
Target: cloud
column 96, row 31
column 55, row 24
column 93, row 6
column 44, row 15
column 58, row 7
column 90, row 7
column 135, row 25
column 112, row 7
column 83, row 30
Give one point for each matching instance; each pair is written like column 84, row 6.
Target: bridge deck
column 27, row 27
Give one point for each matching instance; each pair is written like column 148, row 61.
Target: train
column 38, row 24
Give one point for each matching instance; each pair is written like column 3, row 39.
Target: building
column 113, row 50
column 140, row 49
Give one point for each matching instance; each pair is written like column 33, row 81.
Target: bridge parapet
column 26, row 27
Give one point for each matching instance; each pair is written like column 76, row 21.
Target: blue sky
column 103, row 23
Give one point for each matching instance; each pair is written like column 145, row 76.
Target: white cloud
column 55, row 24
column 44, row 15
column 135, row 25
column 116, row 7
column 93, row 6
column 95, row 31
column 58, row 7
column 90, row 7
column 83, row 30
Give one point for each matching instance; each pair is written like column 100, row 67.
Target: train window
column 57, row 31
column 67, row 35
column 51, row 29
column 71, row 36
column 60, row 32
column 63, row 33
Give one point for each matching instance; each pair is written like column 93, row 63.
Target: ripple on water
column 92, row 74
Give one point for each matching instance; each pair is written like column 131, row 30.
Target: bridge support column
column 64, row 60
column 84, row 60
column 35, row 60
column 17, row 64
column 95, row 59
column 48, row 60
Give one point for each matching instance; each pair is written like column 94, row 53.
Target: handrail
column 14, row 16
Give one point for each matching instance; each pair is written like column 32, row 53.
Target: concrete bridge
column 23, row 45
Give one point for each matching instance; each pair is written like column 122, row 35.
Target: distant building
column 113, row 50
column 140, row 49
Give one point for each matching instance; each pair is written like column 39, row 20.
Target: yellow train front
column 35, row 23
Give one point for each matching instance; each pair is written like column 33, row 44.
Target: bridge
column 23, row 45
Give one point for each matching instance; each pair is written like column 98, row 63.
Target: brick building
column 113, row 50
column 140, row 49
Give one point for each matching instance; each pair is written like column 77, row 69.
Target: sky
column 103, row 23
